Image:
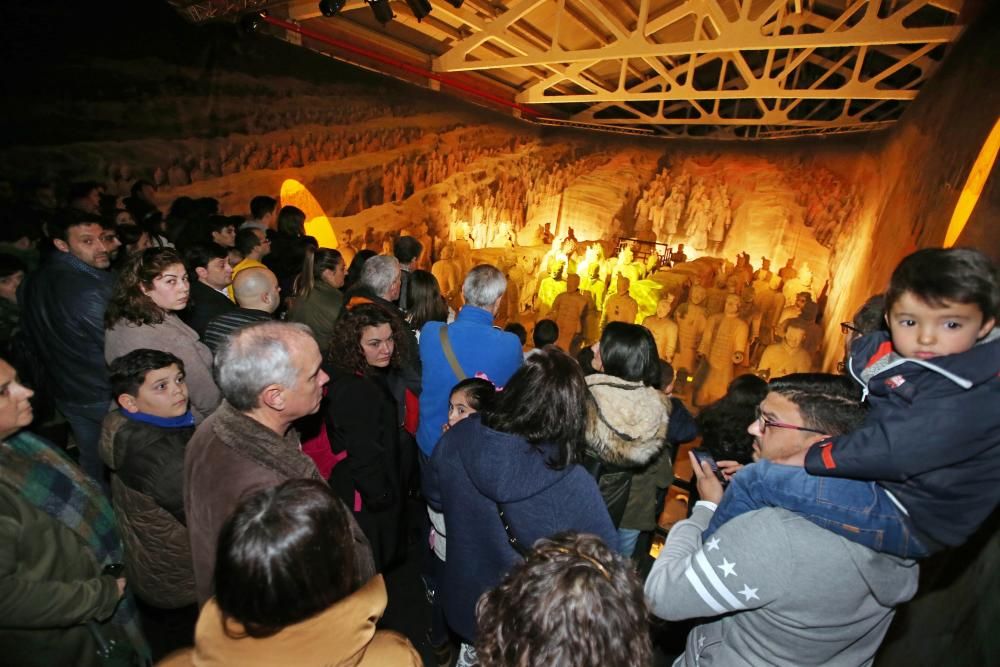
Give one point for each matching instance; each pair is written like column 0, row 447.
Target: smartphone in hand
column 705, row 457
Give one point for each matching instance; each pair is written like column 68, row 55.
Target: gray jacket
column 787, row 591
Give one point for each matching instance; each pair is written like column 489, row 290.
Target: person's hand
column 728, row 468
column 121, row 586
column 709, row 486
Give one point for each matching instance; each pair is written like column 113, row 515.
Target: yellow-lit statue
column 620, row 306
column 663, row 328
column 786, row 357
column 569, row 311
column 691, row 318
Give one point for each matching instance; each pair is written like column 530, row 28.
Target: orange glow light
column 973, row 186
column 293, row 193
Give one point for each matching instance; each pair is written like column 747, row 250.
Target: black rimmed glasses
column 847, row 329
column 763, row 423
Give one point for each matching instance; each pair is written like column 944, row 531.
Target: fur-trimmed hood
column 626, row 421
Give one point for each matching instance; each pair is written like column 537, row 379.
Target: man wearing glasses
column 786, row 591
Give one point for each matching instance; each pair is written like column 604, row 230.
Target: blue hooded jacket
column 931, row 439
column 472, row 470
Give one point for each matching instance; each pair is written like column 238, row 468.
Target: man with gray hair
column 270, row 375
column 468, row 347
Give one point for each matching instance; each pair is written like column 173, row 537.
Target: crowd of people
column 254, row 419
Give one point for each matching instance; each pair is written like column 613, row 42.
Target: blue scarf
column 186, row 419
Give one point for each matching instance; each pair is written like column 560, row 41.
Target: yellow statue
column 621, row 307
column 723, row 346
column 663, row 328
column 569, row 311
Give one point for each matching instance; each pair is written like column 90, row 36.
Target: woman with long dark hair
column 426, row 304
column 509, row 475
column 142, row 314
column 364, row 412
column 318, row 299
column 626, row 416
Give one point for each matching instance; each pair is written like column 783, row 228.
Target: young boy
column 923, row 472
column 143, row 444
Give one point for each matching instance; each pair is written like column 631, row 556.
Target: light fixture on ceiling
column 381, row 10
column 331, row 7
column 250, row 23
column 420, row 8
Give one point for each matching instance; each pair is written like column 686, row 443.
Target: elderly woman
column 57, row 534
column 149, row 292
column 508, row 476
column 288, row 593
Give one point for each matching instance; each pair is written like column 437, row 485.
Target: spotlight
column 331, row 7
column 420, row 8
column 381, row 10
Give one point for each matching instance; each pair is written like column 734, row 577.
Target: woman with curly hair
column 148, row 293
column 364, row 412
column 602, row 609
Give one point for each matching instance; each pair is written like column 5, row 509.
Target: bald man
column 257, row 297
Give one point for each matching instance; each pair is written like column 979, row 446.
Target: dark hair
column 58, row 225
column 628, row 351
column 81, row 189
column 546, row 332
column 284, row 555
column 138, row 186
column 128, row 371
column 480, row 392
column 723, row 424
column 425, row 303
column 871, row 316
column 9, row 265
column 544, row 402
column 518, row 330
column 357, row 265
column 200, row 254
column 315, row 262
column 247, row 239
column 667, row 375
column 939, row 275
column 345, row 346
column 406, row 249
column 827, row 402
column 585, row 357
column 572, row 601
column 129, row 235
column 291, row 220
column 128, row 302
column 261, row 205
column 216, row 223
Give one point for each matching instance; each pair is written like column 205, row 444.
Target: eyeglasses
column 763, row 422
column 847, row 328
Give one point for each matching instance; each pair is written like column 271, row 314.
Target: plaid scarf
column 50, row 481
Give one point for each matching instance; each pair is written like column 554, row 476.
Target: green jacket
column 319, row 310
column 50, row 585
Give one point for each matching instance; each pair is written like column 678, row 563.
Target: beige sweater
column 180, row 340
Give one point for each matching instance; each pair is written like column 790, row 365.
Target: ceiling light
column 331, row 7
column 381, row 10
column 420, row 8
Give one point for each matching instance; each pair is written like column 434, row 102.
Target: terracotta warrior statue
column 691, row 318
column 724, row 346
column 786, row 357
column 569, row 311
column 663, row 328
column 620, row 306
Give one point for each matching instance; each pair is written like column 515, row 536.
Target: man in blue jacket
column 477, row 349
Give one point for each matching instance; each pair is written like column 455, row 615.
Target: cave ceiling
column 727, row 69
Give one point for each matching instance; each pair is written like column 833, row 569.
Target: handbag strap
column 449, row 354
column 517, row 546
